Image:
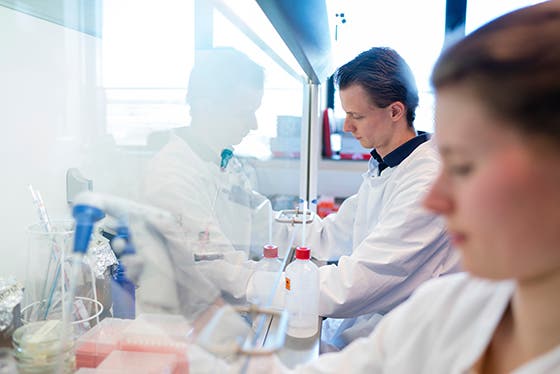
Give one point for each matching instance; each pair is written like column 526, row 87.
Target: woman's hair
column 512, row 64
column 385, row 76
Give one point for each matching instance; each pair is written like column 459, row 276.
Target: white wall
column 48, row 97
column 336, row 178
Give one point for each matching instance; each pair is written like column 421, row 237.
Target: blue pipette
column 85, row 216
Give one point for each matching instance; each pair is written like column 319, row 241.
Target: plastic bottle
column 266, row 274
column 302, row 295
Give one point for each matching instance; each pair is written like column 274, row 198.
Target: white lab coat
column 204, row 198
column 444, row 327
column 388, row 245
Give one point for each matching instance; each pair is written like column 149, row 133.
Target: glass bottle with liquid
column 302, row 295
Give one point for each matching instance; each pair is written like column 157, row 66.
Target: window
column 146, row 66
column 395, row 24
column 283, row 96
column 147, row 54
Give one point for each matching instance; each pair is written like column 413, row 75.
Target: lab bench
column 298, row 350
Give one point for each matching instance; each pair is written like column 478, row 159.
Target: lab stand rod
column 310, row 138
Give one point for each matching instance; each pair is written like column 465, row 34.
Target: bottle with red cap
column 264, row 281
column 302, row 295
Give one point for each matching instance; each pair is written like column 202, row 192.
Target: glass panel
column 145, row 67
column 282, row 100
column 133, row 113
column 270, row 152
column 81, row 16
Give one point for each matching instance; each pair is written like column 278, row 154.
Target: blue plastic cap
column 226, row 155
column 85, row 216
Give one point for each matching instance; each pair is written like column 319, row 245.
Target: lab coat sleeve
column 169, row 280
column 331, row 237
column 230, row 275
column 406, row 247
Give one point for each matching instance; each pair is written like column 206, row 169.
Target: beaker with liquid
column 40, row 348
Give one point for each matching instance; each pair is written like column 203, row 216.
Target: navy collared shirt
column 400, row 153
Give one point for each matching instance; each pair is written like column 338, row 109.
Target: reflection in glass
column 185, row 177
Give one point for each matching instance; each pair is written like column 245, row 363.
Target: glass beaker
column 40, row 348
column 47, row 273
column 48, row 280
column 88, row 314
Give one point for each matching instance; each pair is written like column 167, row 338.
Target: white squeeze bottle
column 302, row 295
column 264, row 280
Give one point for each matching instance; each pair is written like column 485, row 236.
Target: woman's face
column 500, row 195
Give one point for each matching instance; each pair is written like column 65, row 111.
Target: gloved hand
column 230, row 274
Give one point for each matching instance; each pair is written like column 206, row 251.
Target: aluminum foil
column 100, row 257
column 11, row 294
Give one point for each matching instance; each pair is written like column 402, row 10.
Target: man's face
column 227, row 122
column 240, row 117
column 368, row 123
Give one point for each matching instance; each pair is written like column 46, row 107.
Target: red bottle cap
column 270, row 251
column 303, row 253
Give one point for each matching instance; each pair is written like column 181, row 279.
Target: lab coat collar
column 400, row 153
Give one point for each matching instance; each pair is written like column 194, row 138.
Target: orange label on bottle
column 287, row 283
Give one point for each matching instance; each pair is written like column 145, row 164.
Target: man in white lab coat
column 386, row 244
column 194, row 179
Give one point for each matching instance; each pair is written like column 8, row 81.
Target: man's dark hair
column 385, row 76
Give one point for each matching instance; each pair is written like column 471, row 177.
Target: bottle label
column 288, row 283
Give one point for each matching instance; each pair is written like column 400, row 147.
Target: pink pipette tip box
column 139, row 362
column 159, row 333
column 96, row 344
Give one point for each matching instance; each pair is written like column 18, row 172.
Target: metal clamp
column 255, row 344
column 294, row 216
column 247, row 341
